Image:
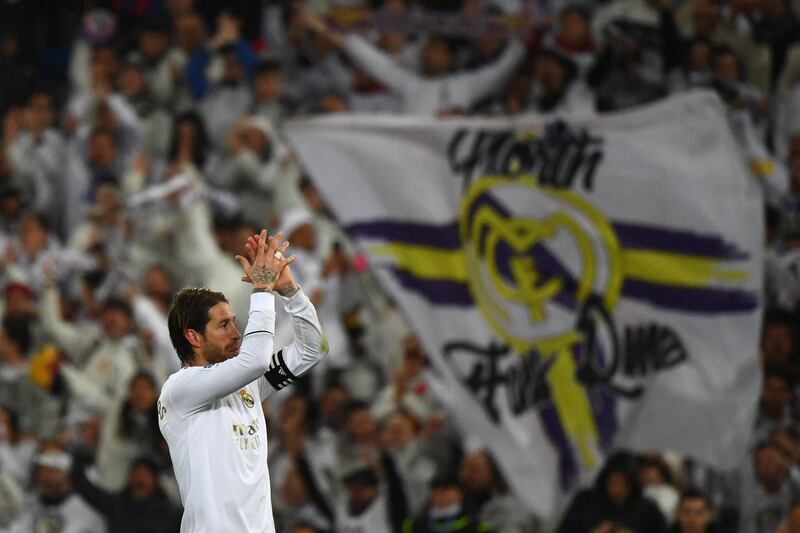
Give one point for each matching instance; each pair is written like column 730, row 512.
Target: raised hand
column 268, row 261
column 285, row 286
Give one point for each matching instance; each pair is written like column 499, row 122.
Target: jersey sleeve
column 201, row 386
column 308, row 348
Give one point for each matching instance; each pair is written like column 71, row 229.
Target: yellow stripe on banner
column 676, row 269
column 572, row 404
column 762, row 167
column 426, row 262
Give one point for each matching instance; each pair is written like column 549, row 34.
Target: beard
column 216, row 354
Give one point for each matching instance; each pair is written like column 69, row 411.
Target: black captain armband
column 279, row 375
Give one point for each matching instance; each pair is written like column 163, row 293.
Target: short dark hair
column 39, row 218
column 353, row 406
column 267, row 66
column 118, row 304
column 778, row 317
column 100, row 131
column 693, row 493
column 18, row 331
column 190, row 311
column 363, row 477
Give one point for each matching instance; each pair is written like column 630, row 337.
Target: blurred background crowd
column 142, row 143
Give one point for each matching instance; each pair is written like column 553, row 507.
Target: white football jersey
column 212, row 420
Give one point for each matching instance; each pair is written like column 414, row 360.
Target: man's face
column 574, row 28
column 233, row 70
column 436, row 58
column 142, row 482
column 20, row 304
column 268, row 86
column 142, row 395
column 359, row 496
column 332, row 403
column 102, row 150
column 777, row 343
column 304, row 237
column 775, row 396
column 52, row 483
column 131, row 82
column 398, row 432
column 190, row 32
column 158, row 284
column 550, row 74
column 10, row 205
column 40, row 110
column 693, row 515
column 771, row 468
column 255, row 140
column 313, row 198
column 442, row 498
column 115, row 323
column 726, row 68
column 705, row 16
column 104, row 62
column 700, row 57
column 475, row 472
column 32, row 236
column 220, row 340
column 360, row 426
column 618, row 488
column 153, row 44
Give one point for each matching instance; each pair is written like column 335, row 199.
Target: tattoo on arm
column 288, row 292
column 262, row 274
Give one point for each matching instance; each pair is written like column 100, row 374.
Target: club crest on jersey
column 247, row 398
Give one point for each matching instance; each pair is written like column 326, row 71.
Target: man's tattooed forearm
column 262, row 274
column 289, row 291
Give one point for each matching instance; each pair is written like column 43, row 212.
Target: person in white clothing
column 439, row 91
column 210, row 410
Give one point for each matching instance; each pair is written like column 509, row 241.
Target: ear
column 193, row 337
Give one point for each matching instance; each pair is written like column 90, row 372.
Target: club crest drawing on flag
column 568, row 316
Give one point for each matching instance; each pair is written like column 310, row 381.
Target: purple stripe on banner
column 439, row 292
column 445, row 236
column 637, row 236
column 690, row 299
column 631, row 236
column 567, row 465
column 604, row 404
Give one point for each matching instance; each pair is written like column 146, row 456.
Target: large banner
column 580, row 285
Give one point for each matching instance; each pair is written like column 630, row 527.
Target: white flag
column 580, row 285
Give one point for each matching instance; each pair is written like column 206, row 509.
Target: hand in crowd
column 316, row 24
column 228, row 30
column 337, row 263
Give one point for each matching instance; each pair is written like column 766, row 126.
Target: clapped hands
column 267, row 267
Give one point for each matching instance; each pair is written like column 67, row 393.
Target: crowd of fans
column 142, row 143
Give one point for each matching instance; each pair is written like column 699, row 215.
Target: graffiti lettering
column 560, row 158
column 601, row 361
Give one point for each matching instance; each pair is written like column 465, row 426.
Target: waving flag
column 579, row 285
